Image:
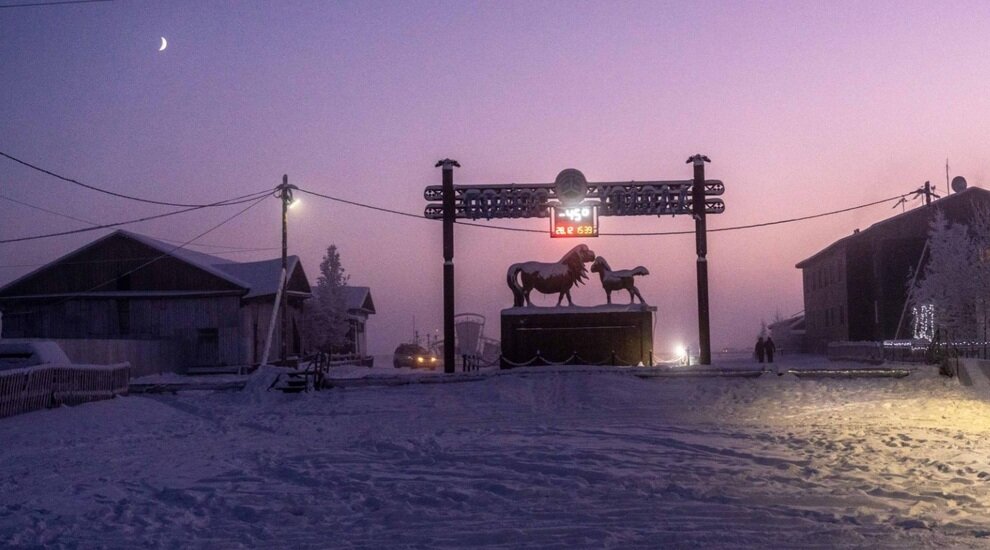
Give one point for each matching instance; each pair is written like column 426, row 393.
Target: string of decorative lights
column 924, row 321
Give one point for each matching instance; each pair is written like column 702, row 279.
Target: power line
column 92, row 223
column 153, row 260
column 42, row 209
column 121, row 195
column 90, row 262
column 651, row 234
column 54, row 3
column 764, row 224
column 256, row 196
column 185, row 244
column 362, row 205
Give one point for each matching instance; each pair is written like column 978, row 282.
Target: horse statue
column 549, row 277
column 618, row 280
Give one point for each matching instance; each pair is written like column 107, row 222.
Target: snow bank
column 558, row 458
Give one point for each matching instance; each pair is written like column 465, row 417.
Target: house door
column 207, row 347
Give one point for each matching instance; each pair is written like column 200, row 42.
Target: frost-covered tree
column 981, row 243
column 954, row 281
column 326, row 319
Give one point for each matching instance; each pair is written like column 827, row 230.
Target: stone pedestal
column 606, row 334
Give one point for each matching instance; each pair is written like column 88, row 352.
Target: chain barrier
column 613, row 359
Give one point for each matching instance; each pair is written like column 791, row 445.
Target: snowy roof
column 206, row 262
column 358, row 298
column 261, row 277
column 792, row 324
column 972, row 193
column 258, row 278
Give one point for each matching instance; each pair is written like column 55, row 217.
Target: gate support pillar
column 701, row 244
column 447, row 166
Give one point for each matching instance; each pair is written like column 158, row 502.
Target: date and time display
column 573, row 221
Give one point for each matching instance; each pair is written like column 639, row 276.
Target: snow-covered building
column 357, row 300
column 855, row 289
column 159, row 306
column 788, row 334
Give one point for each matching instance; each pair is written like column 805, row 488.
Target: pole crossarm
column 533, row 200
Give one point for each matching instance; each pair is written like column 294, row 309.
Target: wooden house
column 195, row 309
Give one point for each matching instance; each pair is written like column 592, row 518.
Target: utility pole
column 928, row 192
column 701, row 244
column 285, row 193
column 447, row 166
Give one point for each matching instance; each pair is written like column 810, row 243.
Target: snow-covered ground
column 542, row 458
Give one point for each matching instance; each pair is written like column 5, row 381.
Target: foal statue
column 618, row 280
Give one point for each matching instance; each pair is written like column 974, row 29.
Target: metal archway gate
column 697, row 197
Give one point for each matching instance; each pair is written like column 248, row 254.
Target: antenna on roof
column 959, row 184
column 946, row 174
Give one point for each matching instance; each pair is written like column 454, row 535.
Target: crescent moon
column 164, row 45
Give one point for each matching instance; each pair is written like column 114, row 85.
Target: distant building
column 168, row 304
column 789, row 334
column 357, row 300
column 856, row 288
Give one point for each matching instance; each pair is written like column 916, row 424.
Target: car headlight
column 433, row 359
column 419, row 359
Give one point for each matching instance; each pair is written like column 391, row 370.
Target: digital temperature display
column 573, row 221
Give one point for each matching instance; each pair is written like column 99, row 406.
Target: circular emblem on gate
column 571, row 186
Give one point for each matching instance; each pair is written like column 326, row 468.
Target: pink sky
column 803, row 107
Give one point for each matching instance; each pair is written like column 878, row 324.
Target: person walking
column 760, row 349
column 769, row 347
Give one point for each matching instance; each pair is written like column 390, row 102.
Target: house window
column 842, row 315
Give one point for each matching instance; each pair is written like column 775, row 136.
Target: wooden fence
column 34, row 388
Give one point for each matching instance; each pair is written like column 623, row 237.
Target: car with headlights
column 414, row 356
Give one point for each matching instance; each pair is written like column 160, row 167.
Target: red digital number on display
column 574, row 222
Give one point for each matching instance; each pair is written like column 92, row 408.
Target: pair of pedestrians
column 765, row 348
